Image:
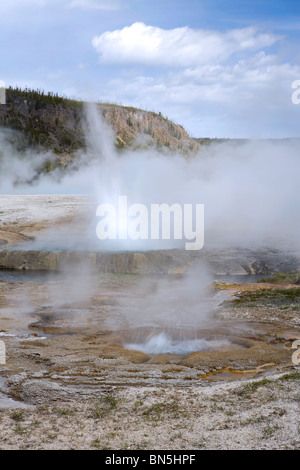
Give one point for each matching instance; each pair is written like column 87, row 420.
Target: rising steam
column 250, row 191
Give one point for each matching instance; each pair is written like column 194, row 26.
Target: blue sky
column 220, row 69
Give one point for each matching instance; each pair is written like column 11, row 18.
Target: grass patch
column 155, row 411
column 17, row 416
column 282, row 278
column 20, row 430
column 104, row 406
column 269, row 431
column 100, row 445
column 250, row 388
column 63, row 411
column 290, row 376
column 269, row 297
column 110, row 401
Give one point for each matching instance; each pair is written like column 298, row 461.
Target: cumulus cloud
column 251, row 97
column 233, row 78
column 179, row 47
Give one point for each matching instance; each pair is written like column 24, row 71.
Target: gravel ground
column 120, row 399
column 253, row 414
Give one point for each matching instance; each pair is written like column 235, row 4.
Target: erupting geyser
column 171, row 313
column 173, row 308
column 163, row 343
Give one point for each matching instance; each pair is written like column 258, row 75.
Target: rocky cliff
column 49, row 122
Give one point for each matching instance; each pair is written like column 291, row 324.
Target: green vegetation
column 17, row 416
column 104, row 406
column 38, row 99
column 218, row 140
column 269, row 431
column 44, row 121
column 63, row 411
column 49, row 122
column 290, row 376
column 247, row 390
column 282, row 278
column 269, row 297
column 154, row 412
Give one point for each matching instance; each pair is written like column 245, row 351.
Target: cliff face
column 49, row 122
column 143, row 129
column 42, row 122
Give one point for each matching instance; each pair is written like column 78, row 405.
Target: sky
column 218, row 68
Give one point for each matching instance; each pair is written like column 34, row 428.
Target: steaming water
column 162, row 343
column 250, row 193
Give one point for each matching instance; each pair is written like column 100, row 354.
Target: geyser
column 249, row 189
column 168, row 314
column 250, row 193
column 163, row 343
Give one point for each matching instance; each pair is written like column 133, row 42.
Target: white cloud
column 226, row 78
column 248, row 97
column 179, row 47
column 96, row 4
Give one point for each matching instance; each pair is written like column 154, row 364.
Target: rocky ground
column 71, row 382
column 257, row 414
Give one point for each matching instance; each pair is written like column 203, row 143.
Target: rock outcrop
column 52, row 123
column 237, row 263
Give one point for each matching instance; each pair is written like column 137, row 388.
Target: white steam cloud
column 250, row 189
column 251, row 195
